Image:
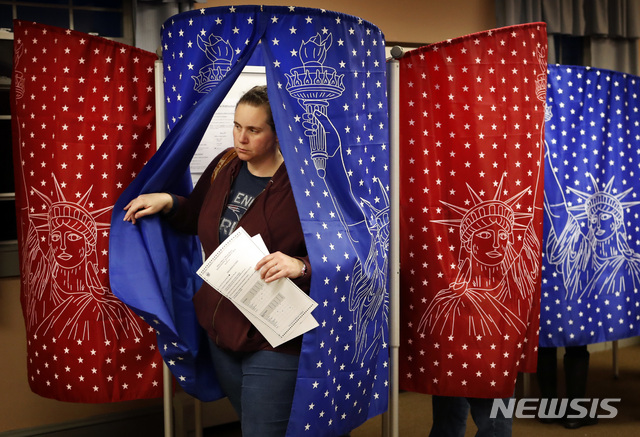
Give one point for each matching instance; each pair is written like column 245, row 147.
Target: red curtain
column 83, row 125
column 471, row 148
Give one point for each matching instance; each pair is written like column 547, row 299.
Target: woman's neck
column 266, row 167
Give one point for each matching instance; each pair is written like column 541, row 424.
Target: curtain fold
column 616, row 55
column 614, row 18
column 610, row 29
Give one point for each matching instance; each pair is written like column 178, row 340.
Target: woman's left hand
column 278, row 265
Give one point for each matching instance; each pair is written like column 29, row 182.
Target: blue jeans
column 260, row 386
column 450, row 417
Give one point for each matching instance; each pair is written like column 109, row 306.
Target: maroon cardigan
column 273, row 215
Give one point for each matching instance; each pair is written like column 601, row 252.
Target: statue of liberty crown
column 484, row 213
column 76, row 217
column 611, row 204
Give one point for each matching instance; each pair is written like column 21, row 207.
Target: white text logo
column 530, row 408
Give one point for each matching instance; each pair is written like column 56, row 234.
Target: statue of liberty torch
column 313, row 85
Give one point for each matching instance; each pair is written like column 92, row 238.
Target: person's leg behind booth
column 576, row 370
column 449, row 416
column 499, row 426
column 547, row 377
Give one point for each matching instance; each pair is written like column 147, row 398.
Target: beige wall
column 400, row 21
column 408, row 21
column 19, row 407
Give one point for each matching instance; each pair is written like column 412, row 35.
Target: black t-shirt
column 244, row 190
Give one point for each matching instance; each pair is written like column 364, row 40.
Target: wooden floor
column 415, row 409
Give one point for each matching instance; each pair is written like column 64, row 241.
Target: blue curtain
column 327, row 86
column 591, row 243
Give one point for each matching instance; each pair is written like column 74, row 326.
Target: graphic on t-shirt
column 236, row 208
column 243, row 192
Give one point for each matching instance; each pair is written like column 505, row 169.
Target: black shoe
column 579, row 423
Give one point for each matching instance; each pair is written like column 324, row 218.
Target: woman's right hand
column 147, row 204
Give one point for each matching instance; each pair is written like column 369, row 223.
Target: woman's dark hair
column 258, row 97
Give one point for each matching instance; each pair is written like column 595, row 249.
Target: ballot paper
column 280, row 310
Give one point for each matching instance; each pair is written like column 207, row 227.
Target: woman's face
column 489, row 244
column 253, row 138
column 68, row 246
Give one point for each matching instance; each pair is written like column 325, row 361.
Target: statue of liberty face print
column 591, row 256
column 72, row 234
column 591, row 248
column 605, row 211
column 64, row 259
column 486, row 231
column 489, row 244
column 488, row 285
column 603, row 225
